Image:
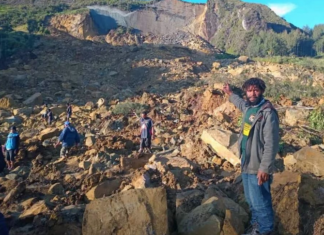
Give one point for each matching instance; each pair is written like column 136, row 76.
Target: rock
column 29, row 202
column 85, row 165
column 216, row 65
column 136, row 212
column 13, row 120
column 48, row 133
column 309, row 161
column 232, row 224
column 12, row 176
column 311, row 191
column 286, row 208
column 23, row 111
column 38, row 208
column 90, row 141
column 105, row 188
column 141, row 181
column 72, row 213
column 226, row 108
column 293, row 116
column 21, row 171
column 4, row 113
column 35, row 99
column 186, row 202
column 204, row 219
column 289, row 161
column 132, row 163
column 100, row 102
column 56, row 189
column 7, row 102
column 15, row 192
column 89, row 105
column 112, row 73
column 243, row 59
column 224, row 143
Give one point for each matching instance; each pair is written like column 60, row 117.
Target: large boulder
column 223, row 142
column 285, row 191
column 35, row 99
column 309, row 160
column 293, row 116
column 48, row 133
column 38, row 208
column 105, row 188
column 13, row 120
column 56, row 189
column 135, row 212
column 23, row 111
column 204, row 219
column 7, row 102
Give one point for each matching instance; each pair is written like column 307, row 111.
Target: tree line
column 306, row 42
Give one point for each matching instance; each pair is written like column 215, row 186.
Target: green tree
column 32, row 26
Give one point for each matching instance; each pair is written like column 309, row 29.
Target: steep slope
column 227, row 24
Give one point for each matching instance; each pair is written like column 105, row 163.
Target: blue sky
column 297, row 12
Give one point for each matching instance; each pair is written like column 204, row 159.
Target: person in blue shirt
column 68, row 137
column 12, row 146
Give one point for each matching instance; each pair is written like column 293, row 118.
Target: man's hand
column 153, row 137
column 262, row 177
column 55, row 145
column 227, row 89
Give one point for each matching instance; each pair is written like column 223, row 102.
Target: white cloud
column 282, row 9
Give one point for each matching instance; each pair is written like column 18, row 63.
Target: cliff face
column 227, row 24
column 167, row 16
column 216, row 20
column 79, row 25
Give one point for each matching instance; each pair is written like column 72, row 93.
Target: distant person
column 146, row 132
column 49, row 116
column 2, row 159
column 3, row 226
column 68, row 111
column 44, row 115
column 68, row 137
column 12, row 147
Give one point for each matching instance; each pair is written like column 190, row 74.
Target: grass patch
column 224, row 56
column 316, row 63
column 126, row 108
column 316, row 119
column 21, row 28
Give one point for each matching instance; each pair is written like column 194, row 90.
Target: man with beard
column 258, row 146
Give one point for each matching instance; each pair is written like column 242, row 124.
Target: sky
column 298, row 12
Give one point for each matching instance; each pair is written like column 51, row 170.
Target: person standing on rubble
column 146, row 132
column 258, row 146
column 49, row 115
column 12, row 147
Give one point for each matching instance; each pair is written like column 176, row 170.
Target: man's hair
column 13, row 128
column 254, row 82
column 144, row 112
column 68, row 104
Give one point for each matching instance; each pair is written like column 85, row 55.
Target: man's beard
column 257, row 101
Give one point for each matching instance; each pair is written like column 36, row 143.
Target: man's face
column 254, row 94
column 144, row 115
